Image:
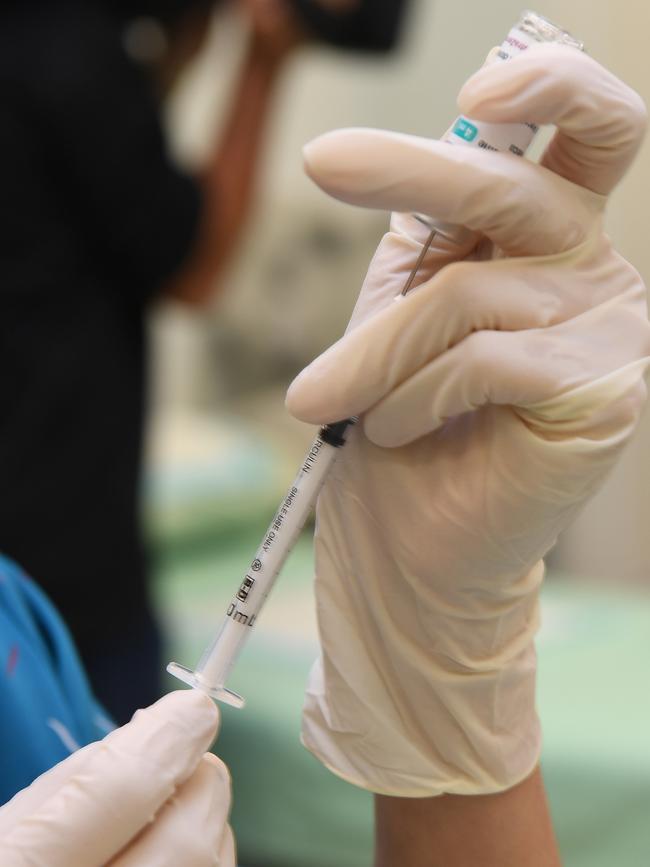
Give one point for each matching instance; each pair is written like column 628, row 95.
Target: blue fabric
column 47, row 709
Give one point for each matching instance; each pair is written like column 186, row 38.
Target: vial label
column 514, row 138
column 465, row 130
column 515, row 42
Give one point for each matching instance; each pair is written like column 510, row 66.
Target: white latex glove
column 147, row 795
column 495, row 397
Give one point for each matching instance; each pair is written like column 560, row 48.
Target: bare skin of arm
column 508, row 829
column 228, row 180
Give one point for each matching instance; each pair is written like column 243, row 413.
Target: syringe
column 217, row 660
column 213, row 668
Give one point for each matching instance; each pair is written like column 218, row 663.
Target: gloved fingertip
column 475, row 91
column 199, row 702
column 190, row 709
column 500, row 82
column 321, row 155
column 493, row 55
column 382, row 435
column 219, row 769
column 299, row 401
column 311, row 155
column 349, row 163
column 392, row 430
column 305, row 414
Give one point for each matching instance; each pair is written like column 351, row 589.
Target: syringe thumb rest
column 196, row 681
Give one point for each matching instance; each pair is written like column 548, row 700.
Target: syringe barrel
column 281, row 535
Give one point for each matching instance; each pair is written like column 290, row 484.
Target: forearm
column 228, row 179
column 508, row 829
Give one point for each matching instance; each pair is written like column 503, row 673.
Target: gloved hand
column 147, row 795
column 495, row 398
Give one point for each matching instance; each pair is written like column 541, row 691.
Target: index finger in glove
column 117, row 790
column 600, row 120
column 521, row 207
column 464, row 298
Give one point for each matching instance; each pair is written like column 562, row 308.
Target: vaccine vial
column 514, row 138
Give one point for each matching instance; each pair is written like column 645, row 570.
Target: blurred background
column 220, row 448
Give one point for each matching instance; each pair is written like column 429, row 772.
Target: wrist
column 261, row 68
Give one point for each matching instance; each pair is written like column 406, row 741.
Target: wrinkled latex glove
column 495, row 398
column 147, row 795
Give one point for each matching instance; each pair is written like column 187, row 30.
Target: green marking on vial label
column 465, row 130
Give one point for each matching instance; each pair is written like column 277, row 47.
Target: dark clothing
column 93, row 220
column 368, row 25
column 46, row 707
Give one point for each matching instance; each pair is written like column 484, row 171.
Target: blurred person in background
column 98, row 224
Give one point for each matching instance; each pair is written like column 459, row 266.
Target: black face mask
column 372, row 25
column 165, row 11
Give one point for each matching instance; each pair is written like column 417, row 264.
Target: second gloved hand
column 495, row 398
column 147, row 795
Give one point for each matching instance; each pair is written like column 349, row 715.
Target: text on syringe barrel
column 279, row 539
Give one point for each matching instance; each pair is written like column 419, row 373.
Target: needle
column 416, row 267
